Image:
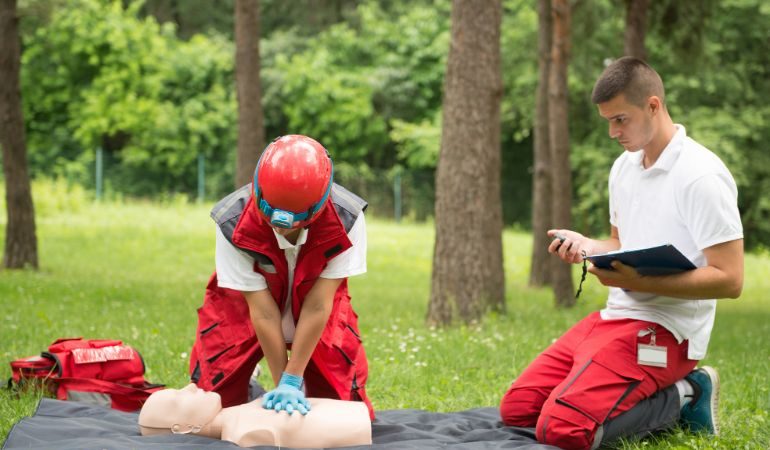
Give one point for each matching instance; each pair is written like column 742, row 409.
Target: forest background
column 152, row 84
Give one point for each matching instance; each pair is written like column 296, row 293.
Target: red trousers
column 587, row 377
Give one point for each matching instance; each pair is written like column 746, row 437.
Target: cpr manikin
column 332, row 423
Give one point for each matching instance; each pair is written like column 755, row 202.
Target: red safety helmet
column 293, row 180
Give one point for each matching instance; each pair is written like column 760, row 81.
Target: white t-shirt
column 687, row 198
column 235, row 268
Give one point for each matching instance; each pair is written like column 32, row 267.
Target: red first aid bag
column 97, row 371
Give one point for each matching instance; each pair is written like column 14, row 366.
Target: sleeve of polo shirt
column 710, row 208
column 235, row 268
column 353, row 260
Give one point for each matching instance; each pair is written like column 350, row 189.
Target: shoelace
column 583, row 274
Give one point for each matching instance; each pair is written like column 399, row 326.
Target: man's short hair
column 629, row 76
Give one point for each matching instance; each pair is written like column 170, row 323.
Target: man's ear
column 655, row 104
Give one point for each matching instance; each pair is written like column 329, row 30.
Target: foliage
column 192, row 17
column 366, row 78
column 351, row 84
column 333, row 106
column 96, row 76
column 417, row 144
column 306, row 17
column 85, row 289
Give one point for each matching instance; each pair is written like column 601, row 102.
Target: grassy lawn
column 137, row 272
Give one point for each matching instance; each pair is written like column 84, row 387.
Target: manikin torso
column 330, row 423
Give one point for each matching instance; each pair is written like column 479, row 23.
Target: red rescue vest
column 226, row 349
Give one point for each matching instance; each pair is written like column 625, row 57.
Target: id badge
column 651, row 354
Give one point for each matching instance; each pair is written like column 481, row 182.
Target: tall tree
column 468, row 274
column 20, row 237
column 251, row 130
column 636, row 28
column 540, row 269
column 558, row 109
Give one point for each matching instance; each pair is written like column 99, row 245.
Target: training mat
column 71, row 425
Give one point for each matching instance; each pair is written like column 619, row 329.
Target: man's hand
column 570, row 249
column 621, row 276
column 288, row 396
column 569, row 245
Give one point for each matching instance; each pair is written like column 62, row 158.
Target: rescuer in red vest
column 286, row 244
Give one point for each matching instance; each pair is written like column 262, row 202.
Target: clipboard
column 661, row 260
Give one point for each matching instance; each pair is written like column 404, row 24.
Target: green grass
column 137, row 272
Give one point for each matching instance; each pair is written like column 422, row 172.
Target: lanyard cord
column 582, row 275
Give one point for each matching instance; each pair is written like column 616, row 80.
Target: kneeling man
column 629, row 369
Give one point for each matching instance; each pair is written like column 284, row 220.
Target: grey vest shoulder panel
column 226, row 214
column 227, row 211
column 348, row 205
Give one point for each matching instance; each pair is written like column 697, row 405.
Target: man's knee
column 565, row 427
column 520, row 407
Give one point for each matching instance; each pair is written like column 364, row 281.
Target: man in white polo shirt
column 604, row 378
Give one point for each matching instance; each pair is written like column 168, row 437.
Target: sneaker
column 700, row 415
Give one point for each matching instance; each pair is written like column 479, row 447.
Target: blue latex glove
column 288, row 396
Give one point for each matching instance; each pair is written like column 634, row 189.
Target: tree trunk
column 540, row 269
column 636, row 28
column 468, row 277
column 20, row 237
column 251, row 132
column 558, row 108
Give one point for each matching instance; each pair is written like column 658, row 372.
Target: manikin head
column 629, row 94
column 179, row 411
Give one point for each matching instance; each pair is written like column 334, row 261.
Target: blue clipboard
column 661, row 260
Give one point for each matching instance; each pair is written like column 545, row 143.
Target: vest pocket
column 206, row 330
column 345, row 356
column 215, row 340
column 350, row 343
column 213, row 358
column 215, row 333
column 340, row 336
column 355, row 333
